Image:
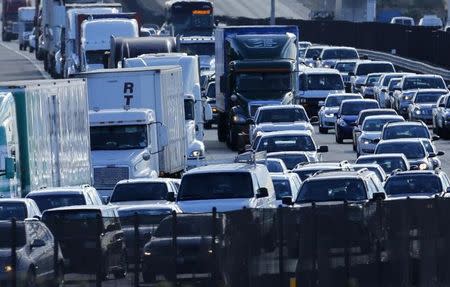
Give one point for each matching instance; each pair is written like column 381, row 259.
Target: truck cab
column 123, row 146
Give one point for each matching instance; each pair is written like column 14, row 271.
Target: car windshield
column 332, row 190
column 281, row 116
column 6, row 236
column 335, row 101
column 95, row 57
column 372, row 80
column 272, row 165
column 353, row 108
column 282, row 188
column 219, row 185
column 286, row 143
column 377, row 125
column 339, row 54
column 321, row 82
column 393, row 83
column 368, row 68
column 430, row 98
column 413, row 184
column 405, row 131
column 187, row 226
column 423, row 83
column 197, row 48
column 247, row 82
column 313, row 52
column 9, row 210
column 388, row 164
column 412, row 150
column 119, row 137
column 49, row 201
column 139, row 192
column 291, row 160
column 345, row 67
column 388, row 78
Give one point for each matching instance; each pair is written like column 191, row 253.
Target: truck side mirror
column 171, row 196
column 10, row 167
column 262, row 192
column 351, row 74
column 287, row 200
column 163, row 136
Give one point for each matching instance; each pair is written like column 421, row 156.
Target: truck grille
column 107, row 177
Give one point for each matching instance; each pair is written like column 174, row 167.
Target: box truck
column 159, row 89
column 10, row 14
column 44, row 136
column 197, row 111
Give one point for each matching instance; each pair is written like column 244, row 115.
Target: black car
column 441, row 117
column 35, row 255
column 91, row 239
column 194, row 249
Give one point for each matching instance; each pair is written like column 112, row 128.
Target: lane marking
column 38, row 68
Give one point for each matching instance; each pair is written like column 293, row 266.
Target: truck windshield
column 119, row 137
column 321, row 82
column 188, row 18
column 95, row 57
column 248, row 82
column 197, row 48
column 218, row 185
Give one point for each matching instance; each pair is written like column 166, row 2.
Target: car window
column 353, row 108
column 324, row 82
column 365, row 69
column 423, row 83
column 405, row 131
column 281, row 116
column 286, row 143
column 407, row 184
column 282, row 188
column 412, row 150
column 48, row 201
column 9, row 210
column 139, row 191
column 332, row 190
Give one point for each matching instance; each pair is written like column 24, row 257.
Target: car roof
column 401, row 140
column 286, row 153
column 287, row 133
column 280, row 107
column 148, row 207
column 145, row 180
column 432, row 91
column 415, row 172
column 345, row 95
column 281, row 176
column 82, row 208
column 339, row 47
column 315, row 165
column 226, row 167
column 358, row 101
column 321, row 71
column 382, row 117
column 406, row 123
column 380, row 110
column 422, row 76
column 57, row 191
column 339, row 174
column 381, row 155
column 373, row 62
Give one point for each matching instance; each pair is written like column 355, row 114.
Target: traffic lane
column 16, row 65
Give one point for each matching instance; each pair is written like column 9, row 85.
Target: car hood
column 115, row 157
column 331, row 110
column 349, row 118
column 222, row 205
column 271, row 127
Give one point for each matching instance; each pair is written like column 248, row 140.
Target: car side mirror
column 448, row 189
column 384, row 90
column 435, row 138
column 171, row 196
column 287, row 200
column 106, row 199
column 163, row 136
column 379, row 196
column 262, row 192
column 351, row 74
column 248, row 147
column 314, row 119
column 376, row 140
column 432, row 154
column 322, row 148
column 250, row 122
column 37, row 243
column 440, row 153
column 321, row 104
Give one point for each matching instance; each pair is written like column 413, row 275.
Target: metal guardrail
column 411, row 65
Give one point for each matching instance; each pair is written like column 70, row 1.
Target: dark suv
column 91, row 239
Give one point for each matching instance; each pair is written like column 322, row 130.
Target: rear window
column 388, row 164
column 412, row 150
column 423, row 83
column 413, row 184
column 313, row 52
column 49, row 201
column 78, row 222
column 282, row 188
column 139, row 192
column 368, row 68
column 405, row 131
column 321, row 82
column 9, row 210
column 281, row 116
column 6, row 236
column 345, row 67
column 431, row 98
column 353, row 108
column 332, row 190
column 335, row 101
column 187, row 226
column 339, row 54
column 291, row 160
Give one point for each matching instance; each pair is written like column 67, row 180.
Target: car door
column 48, row 259
column 37, row 254
column 438, row 112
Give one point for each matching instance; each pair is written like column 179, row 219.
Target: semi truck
column 255, row 66
column 159, row 89
column 197, row 111
column 44, row 136
column 10, row 14
column 25, row 26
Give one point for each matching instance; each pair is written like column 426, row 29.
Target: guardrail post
column 379, row 243
column 99, row 275
column 347, row 243
column 213, row 246
column 14, row 252
column 174, row 246
column 137, row 254
column 56, row 269
column 315, row 245
column 280, row 245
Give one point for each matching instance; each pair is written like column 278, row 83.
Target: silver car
column 329, row 109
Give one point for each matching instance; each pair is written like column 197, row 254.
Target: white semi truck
column 44, row 136
column 197, row 111
column 119, row 97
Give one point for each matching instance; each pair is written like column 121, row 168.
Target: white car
column 286, row 185
column 290, row 141
column 19, row 208
column 431, row 21
column 371, row 132
column 142, row 191
column 402, row 20
column 226, row 187
column 279, row 118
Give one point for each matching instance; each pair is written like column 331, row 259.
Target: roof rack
column 251, row 157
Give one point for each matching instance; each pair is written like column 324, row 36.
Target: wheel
column 323, row 130
column 31, row 279
column 20, row 47
column 59, row 280
column 31, row 49
column 5, row 37
column 354, row 146
column 222, row 128
column 232, row 139
column 148, row 277
column 339, row 138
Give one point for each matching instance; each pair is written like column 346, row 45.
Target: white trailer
column 159, row 89
column 44, row 136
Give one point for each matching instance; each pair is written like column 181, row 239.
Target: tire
column 354, row 146
column 233, row 139
column 31, row 49
column 323, row 130
column 339, row 138
column 208, row 126
column 59, row 282
column 21, row 47
column 31, row 279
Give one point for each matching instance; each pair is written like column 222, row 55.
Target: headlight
column 417, row 112
column 329, row 115
column 423, row 166
column 259, row 133
column 196, row 153
column 147, row 253
column 8, row 268
column 214, row 110
column 239, row 120
column 365, row 141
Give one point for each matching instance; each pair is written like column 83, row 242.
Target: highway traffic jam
column 119, row 132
